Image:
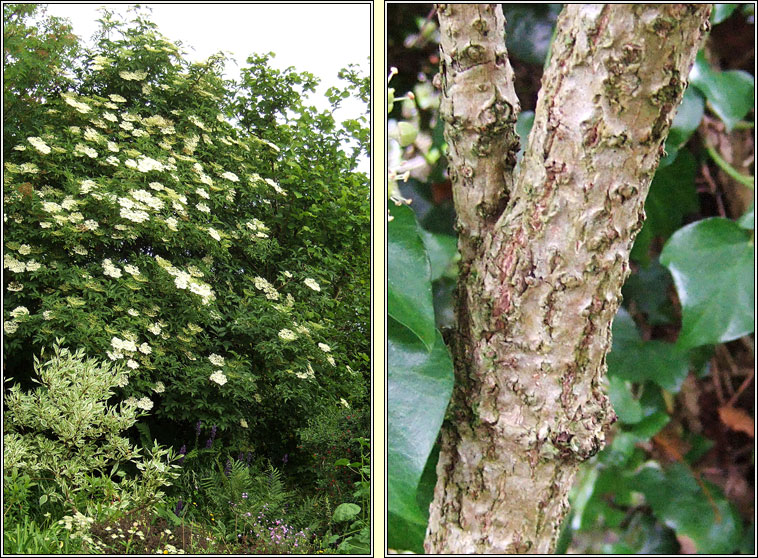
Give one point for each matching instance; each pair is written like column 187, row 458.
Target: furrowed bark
column 544, row 257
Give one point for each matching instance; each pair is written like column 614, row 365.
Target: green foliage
column 67, row 436
column 211, row 235
column 36, row 55
column 702, row 258
column 354, row 536
column 729, row 94
column 409, row 290
column 331, row 434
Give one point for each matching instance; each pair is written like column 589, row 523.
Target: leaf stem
column 729, row 169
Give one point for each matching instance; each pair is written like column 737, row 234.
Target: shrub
column 211, row 235
column 65, row 435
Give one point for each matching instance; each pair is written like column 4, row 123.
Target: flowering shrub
column 155, row 221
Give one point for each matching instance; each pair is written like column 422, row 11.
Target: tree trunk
column 544, row 254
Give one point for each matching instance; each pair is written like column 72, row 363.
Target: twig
column 717, row 382
column 724, row 352
column 742, row 387
column 714, row 190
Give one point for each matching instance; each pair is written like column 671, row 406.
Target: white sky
column 316, row 38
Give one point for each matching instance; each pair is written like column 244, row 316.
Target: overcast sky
column 317, row 38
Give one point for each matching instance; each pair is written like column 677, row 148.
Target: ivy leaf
column 636, row 360
column 442, row 250
column 679, row 502
column 648, row 289
column 730, row 93
column 687, row 119
column 626, row 406
column 409, row 290
column 747, row 221
column 711, row 262
column 672, row 196
column 420, row 383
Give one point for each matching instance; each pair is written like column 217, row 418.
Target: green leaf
column 649, row 426
column 409, row 290
column 626, row 406
column 346, row 512
column 648, row 289
column 711, row 262
column 687, row 119
column 42, row 499
column 721, row 12
column 406, row 533
column 636, row 360
column 730, row 93
column 442, row 250
column 747, row 221
column 342, row 461
column 419, row 387
column 679, row 502
column 672, row 196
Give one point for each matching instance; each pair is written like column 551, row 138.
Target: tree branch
column 540, row 277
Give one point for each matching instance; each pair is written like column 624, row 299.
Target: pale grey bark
column 544, row 255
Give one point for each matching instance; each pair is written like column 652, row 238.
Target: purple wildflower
column 182, row 452
column 228, row 468
column 213, row 432
column 241, row 457
column 209, row 443
column 197, row 427
column 179, row 506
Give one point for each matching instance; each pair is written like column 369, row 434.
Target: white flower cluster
column 218, row 377
column 116, row 98
column 90, row 134
column 10, row 326
column 287, row 335
column 82, row 149
column 39, row 144
column 216, row 360
column 230, row 176
column 258, row 228
column 344, row 403
column 133, row 76
column 307, row 374
column 196, row 121
column 81, row 107
column 214, row 234
column 159, row 387
column 262, row 285
column 110, row 269
column 17, row 266
column 311, row 283
column 20, row 312
column 100, row 62
column 146, row 164
column 324, row 347
column 145, row 403
column 148, row 199
column 87, row 186
column 184, row 280
column 132, row 270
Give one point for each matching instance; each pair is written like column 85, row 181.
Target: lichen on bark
column 544, row 253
